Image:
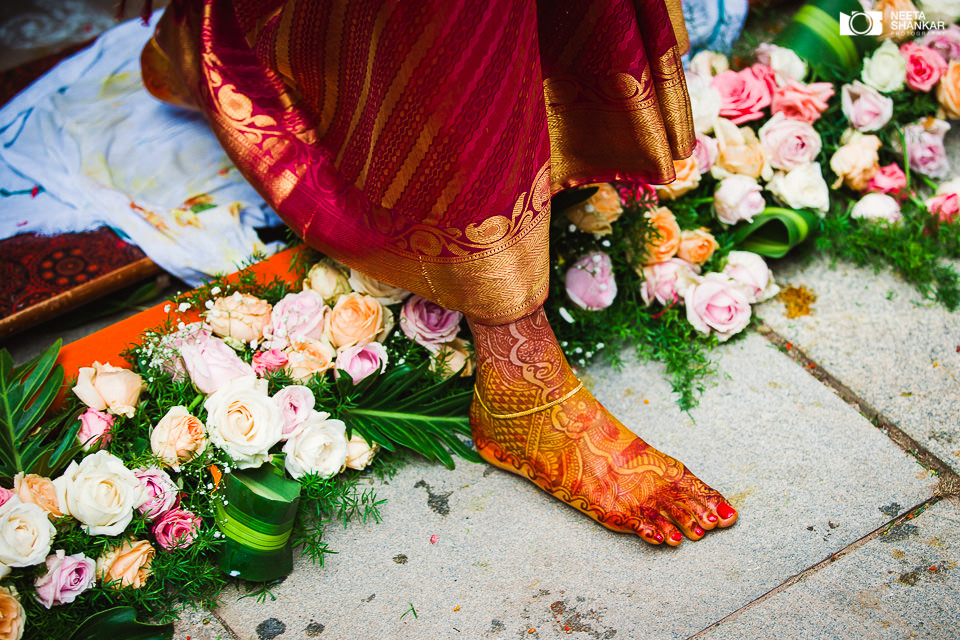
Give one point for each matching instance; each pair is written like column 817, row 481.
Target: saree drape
column 420, row 142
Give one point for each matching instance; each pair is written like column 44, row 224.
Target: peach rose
column 359, row 453
column 688, row 179
column 856, row 161
column 358, row 319
column 126, row 565
column 308, row 357
column 37, row 490
column 803, row 102
column 696, row 246
column 739, row 151
column 948, row 91
column 105, row 387
column 598, row 212
column 12, row 615
column 178, row 437
column 240, row 316
column 663, row 244
column 893, row 13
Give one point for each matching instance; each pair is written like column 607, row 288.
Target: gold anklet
column 520, row 414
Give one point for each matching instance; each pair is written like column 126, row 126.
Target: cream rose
column 327, row 280
column 597, row 213
column 107, row 388
column 856, row 161
column 240, row 316
column 803, row 187
column 26, row 534
column 709, row 63
column 178, row 437
column 308, row 357
column 126, row 565
column 382, row 293
column 739, row 151
column 946, row 10
column 359, row 453
column 358, row 319
column 688, row 179
column 782, row 60
column 12, row 615
column 35, row 489
column 243, row 421
column 320, row 447
column 886, row 69
column 101, row 493
column 704, row 101
column 877, row 206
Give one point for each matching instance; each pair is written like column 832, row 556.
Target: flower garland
column 238, row 432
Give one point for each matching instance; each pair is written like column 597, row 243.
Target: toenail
column 676, row 535
column 698, row 531
column 658, row 537
column 711, row 517
column 725, row 511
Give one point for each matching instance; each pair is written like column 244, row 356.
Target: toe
column 663, row 529
column 706, row 517
column 648, row 532
column 683, row 518
column 727, row 514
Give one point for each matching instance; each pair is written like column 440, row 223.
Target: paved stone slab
column 809, row 474
column 877, row 335
column 904, row 584
column 200, row 624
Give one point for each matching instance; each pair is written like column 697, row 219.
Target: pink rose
column 738, row 198
column 66, row 578
column 5, row 495
column 789, row 143
column 799, row 101
column 666, row 282
column 296, row 404
column 94, row 429
column 944, row 206
column 744, row 94
column 428, row 324
column 266, row 361
column 160, row 489
column 924, row 66
column 705, row 152
column 589, row 282
column 877, row 206
column 296, row 317
column 717, row 305
column 210, row 362
column 925, row 147
column 750, row 273
column 946, row 42
column 888, row 179
column 359, row 361
column 176, row 529
column 864, row 107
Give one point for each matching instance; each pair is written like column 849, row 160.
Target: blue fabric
column 713, row 25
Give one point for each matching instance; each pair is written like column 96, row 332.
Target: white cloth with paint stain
column 106, row 153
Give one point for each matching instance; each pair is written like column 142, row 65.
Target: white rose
column 750, row 273
column 801, row 187
column 784, row 61
column 886, row 69
column 945, row 10
column 383, row 293
column 877, row 206
column 704, row 100
column 709, row 63
column 738, row 198
column 327, row 280
column 359, row 453
column 101, row 493
column 26, row 534
column 950, row 186
column 320, row 446
column 244, row 421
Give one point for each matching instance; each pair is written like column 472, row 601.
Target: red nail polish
column 725, row 511
column 711, row 517
column 698, row 531
column 658, row 537
column 676, row 535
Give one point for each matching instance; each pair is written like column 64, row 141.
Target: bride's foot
column 531, row 416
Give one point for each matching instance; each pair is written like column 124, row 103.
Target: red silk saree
column 420, row 142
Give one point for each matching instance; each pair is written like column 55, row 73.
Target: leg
column 531, row 416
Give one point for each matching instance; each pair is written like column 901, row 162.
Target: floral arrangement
column 244, row 424
column 784, row 151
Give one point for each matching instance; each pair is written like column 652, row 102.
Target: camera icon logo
column 861, row 23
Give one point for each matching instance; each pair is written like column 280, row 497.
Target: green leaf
column 202, row 206
column 120, row 623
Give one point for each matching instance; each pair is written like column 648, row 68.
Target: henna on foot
column 532, row 416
